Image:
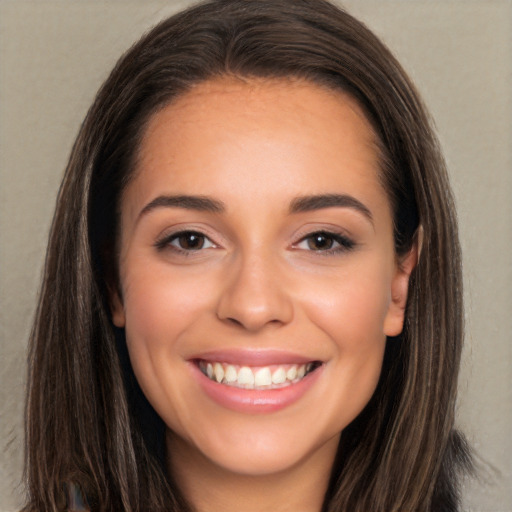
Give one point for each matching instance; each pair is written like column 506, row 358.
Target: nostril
column 253, row 306
column 234, row 321
column 247, row 324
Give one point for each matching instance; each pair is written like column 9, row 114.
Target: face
column 258, row 275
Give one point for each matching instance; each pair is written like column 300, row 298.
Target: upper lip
column 254, row 357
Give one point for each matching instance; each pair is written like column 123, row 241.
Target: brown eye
column 189, row 241
column 320, row 242
column 326, row 243
column 186, row 241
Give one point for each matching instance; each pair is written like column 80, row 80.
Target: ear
column 116, row 307
column 394, row 321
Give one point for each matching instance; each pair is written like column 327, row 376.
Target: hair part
column 84, row 425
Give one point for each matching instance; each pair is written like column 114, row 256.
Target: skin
column 259, row 282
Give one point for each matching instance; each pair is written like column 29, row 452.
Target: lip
column 255, row 401
column 253, row 357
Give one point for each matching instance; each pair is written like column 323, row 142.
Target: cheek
column 162, row 308
column 350, row 310
column 159, row 307
column 152, row 301
column 352, row 305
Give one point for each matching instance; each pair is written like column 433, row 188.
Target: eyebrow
column 321, row 201
column 198, row 203
column 297, row 205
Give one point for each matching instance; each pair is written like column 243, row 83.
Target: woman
column 252, row 293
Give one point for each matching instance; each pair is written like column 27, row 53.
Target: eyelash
column 344, row 243
column 166, row 241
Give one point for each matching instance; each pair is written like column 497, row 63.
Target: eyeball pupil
column 191, row 241
column 320, row 242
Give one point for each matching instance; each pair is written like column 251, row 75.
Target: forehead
column 229, row 135
column 226, row 102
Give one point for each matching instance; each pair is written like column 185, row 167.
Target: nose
column 254, row 295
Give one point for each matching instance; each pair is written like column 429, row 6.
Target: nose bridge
column 254, row 294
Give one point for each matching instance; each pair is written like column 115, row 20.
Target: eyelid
column 178, row 235
column 164, row 239
column 343, row 241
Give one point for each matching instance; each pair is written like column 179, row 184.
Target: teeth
column 218, row 372
column 231, row 374
column 291, row 374
column 256, row 378
column 279, row 376
column 263, row 377
column 245, row 376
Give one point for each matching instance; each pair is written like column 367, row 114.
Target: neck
column 210, row 488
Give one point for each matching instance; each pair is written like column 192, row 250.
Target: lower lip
column 254, row 401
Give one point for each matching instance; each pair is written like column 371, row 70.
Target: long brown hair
column 87, row 422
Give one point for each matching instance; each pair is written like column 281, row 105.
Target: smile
column 255, row 382
column 256, row 377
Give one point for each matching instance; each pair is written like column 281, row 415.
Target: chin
column 259, row 448
column 255, row 462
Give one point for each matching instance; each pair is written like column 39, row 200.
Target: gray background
column 55, row 54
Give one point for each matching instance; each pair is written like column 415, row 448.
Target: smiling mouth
column 256, row 377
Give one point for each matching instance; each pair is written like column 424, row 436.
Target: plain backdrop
column 55, row 54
